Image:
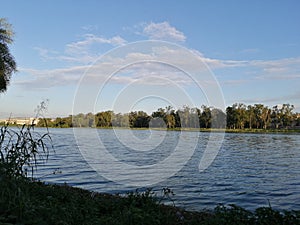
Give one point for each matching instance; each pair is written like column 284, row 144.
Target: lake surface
column 250, row 170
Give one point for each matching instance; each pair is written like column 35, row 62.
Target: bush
column 21, row 148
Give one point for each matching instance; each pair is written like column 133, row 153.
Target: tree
column 218, row 118
column 170, row 121
column 7, row 61
column 258, row 111
column 205, row 117
column 104, row 119
column 266, row 117
column 231, row 117
column 142, row 119
column 241, row 114
column 184, row 116
column 250, row 115
column 287, row 112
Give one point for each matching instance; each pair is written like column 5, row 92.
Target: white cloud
column 90, row 39
column 287, row 68
column 142, row 65
column 82, row 51
column 163, row 31
column 44, row 79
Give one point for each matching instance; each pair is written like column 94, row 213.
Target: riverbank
column 214, row 130
column 26, row 202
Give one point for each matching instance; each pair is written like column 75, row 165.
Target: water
column 250, row 170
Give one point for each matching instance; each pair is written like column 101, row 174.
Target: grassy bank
column 25, row 202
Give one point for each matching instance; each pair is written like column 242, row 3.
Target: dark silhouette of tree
column 205, row 117
column 7, row 61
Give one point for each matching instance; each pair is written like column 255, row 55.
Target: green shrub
column 21, row 148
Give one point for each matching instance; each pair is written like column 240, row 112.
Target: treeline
column 237, row 116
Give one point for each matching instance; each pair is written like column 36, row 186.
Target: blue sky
column 252, row 49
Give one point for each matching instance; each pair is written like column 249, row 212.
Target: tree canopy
column 7, row 61
column 237, row 116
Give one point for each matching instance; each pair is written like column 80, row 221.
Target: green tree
column 266, row 117
column 250, row 115
column 142, row 119
column 205, row 118
column 241, row 115
column 120, row 120
column 104, row 119
column 184, row 115
column 258, row 111
column 287, row 112
column 218, row 118
column 45, row 122
column 170, row 121
column 7, row 61
column 159, row 113
column 231, row 117
column 159, row 118
column 78, row 120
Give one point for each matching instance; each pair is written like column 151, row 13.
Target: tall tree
column 287, row 112
column 7, row 61
column 218, row 118
column 250, row 115
column 205, row 118
column 231, row 114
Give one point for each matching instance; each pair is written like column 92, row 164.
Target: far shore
column 213, row 130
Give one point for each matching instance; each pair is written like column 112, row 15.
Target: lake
column 249, row 170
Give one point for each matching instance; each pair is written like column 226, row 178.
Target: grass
column 23, row 201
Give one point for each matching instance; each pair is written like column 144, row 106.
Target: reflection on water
column 250, row 170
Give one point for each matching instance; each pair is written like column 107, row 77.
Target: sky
column 90, row 56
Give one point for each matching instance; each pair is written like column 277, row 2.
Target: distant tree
column 266, row 117
column 90, row 120
column 241, row 114
column 164, row 117
column 218, row 118
column 142, row 119
column 250, row 115
column 159, row 118
column 120, row 120
column 159, row 113
column 231, row 117
column 287, row 112
column 7, row 61
column 205, row 118
column 104, row 119
column 258, row 111
column 170, row 120
column 45, row 122
column 184, row 116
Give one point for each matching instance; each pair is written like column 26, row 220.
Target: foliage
column 237, row 117
column 7, row 61
column 20, row 148
column 25, row 202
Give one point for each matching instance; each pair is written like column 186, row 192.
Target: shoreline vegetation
column 24, row 201
column 237, row 118
column 204, row 130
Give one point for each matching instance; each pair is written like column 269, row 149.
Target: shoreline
column 64, row 204
column 204, row 130
column 213, row 130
